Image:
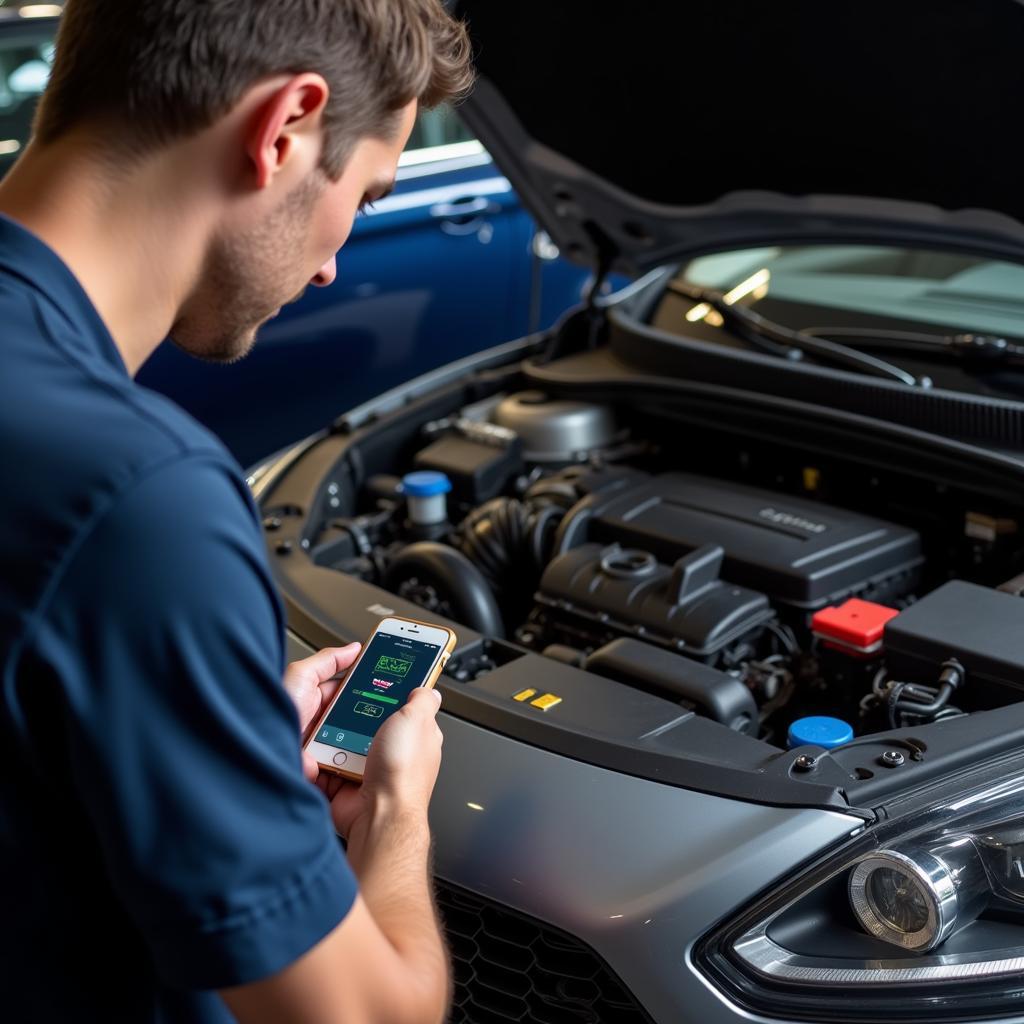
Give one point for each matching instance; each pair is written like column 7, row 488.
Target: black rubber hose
column 951, row 677
column 455, row 577
column 508, row 541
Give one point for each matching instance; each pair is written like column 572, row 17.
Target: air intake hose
column 509, row 542
column 455, row 579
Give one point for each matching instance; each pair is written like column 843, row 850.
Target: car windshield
column 946, row 318
column 913, row 287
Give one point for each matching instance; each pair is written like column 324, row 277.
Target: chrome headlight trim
column 775, row 963
column 932, row 880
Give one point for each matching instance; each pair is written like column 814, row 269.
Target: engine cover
column 802, row 553
column 685, row 606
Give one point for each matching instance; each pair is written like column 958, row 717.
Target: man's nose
column 326, row 274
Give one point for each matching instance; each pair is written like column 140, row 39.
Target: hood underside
column 637, row 134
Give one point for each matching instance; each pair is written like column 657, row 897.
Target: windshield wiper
column 786, row 343
column 975, row 348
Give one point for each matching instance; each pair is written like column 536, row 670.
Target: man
column 195, row 164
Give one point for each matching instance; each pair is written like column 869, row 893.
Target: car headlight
column 919, row 918
column 917, row 898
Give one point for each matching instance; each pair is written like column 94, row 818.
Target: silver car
column 734, row 556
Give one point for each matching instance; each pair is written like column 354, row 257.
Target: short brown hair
column 160, row 70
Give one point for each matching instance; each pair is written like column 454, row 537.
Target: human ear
column 292, row 111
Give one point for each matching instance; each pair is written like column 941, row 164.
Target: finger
column 425, row 701
column 328, row 662
column 329, row 783
column 346, row 805
column 310, row 768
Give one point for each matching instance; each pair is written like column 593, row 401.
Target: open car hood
column 642, row 133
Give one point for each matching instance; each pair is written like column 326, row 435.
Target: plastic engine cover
column 803, row 553
column 685, row 606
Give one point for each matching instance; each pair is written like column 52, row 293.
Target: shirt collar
column 26, row 257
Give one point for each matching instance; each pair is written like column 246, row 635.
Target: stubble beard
column 246, row 279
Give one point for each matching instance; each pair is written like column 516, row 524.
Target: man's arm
column 386, row 961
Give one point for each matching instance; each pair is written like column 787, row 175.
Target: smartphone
column 401, row 655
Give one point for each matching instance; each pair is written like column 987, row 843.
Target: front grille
column 509, row 967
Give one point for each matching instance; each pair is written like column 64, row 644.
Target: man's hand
column 403, row 763
column 311, row 683
column 401, row 768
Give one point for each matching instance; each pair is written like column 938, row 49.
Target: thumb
column 424, row 700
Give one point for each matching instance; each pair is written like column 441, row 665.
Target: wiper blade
column 787, row 343
column 977, row 348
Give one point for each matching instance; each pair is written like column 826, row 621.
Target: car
column 452, row 227
column 733, row 725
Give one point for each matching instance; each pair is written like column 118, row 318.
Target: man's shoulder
column 68, row 416
column 79, row 437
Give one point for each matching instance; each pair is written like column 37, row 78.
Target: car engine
column 546, row 525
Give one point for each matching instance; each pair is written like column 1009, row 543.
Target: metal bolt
column 892, row 759
column 272, row 523
column 332, row 488
column 284, row 547
column 805, row 763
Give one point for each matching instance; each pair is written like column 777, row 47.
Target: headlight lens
column 923, row 916
column 918, row 897
column 894, row 900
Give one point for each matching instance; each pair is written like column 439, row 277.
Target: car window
column 437, row 134
column 438, row 127
column 25, row 60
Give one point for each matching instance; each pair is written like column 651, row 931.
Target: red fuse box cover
column 854, row 623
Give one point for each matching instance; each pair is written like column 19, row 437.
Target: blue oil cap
column 819, row 730
column 425, row 484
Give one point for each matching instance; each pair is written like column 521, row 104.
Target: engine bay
column 772, row 595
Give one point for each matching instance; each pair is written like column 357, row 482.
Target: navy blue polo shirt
column 157, row 838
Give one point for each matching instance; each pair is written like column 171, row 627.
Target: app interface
column 390, row 669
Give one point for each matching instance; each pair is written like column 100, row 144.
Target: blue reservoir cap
column 819, row 730
column 425, row 484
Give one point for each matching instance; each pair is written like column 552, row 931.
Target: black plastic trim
column 973, row 418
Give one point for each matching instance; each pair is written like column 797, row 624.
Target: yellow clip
column 524, row 695
column 549, row 700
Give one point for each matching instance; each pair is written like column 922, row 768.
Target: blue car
column 448, row 264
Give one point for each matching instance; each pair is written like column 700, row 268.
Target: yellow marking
column 549, row 700
column 812, row 478
column 524, row 694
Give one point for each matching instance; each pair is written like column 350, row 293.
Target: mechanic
column 195, row 164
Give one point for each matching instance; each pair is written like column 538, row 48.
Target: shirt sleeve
column 165, row 640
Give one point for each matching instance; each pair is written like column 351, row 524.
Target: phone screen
column 390, row 669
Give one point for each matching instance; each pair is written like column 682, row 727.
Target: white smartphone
column 401, row 655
